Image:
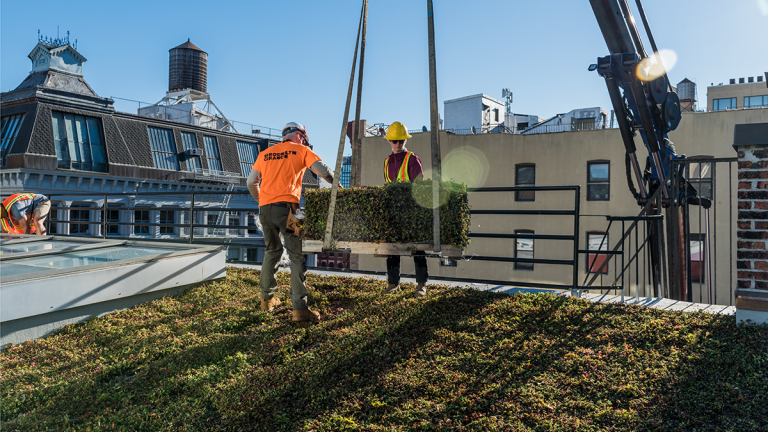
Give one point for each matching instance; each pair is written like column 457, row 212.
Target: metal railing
column 244, row 128
column 629, row 250
column 656, row 265
column 186, row 231
column 574, row 238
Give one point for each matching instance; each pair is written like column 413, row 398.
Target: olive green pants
column 273, row 219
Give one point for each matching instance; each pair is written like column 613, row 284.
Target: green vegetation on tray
column 393, row 213
column 458, row 359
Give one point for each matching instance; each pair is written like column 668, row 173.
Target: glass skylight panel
column 79, row 258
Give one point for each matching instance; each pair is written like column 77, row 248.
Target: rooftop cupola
column 57, row 55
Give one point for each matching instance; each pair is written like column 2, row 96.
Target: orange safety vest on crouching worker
column 9, row 224
column 402, row 173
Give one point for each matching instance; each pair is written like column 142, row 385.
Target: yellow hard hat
column 397, row 131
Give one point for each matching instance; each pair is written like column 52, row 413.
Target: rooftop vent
column 741, row 80
column 733, row 80
column 759, row 78
column 751, row 79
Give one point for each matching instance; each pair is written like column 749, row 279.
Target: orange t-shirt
column 282, row 168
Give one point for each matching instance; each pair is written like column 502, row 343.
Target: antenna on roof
column 507, row 94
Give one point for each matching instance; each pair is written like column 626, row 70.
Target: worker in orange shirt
column 403, row 166
column 24, row 213
column 275, row 182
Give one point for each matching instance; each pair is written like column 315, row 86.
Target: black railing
column 574, row 238
column 192, row 209
column 685, row 268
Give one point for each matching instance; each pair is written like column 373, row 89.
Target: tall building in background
column 346, row 171
column 750, row 92
column 61, row 139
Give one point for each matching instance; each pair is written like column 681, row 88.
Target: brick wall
column 751, row 144
column 752, row 230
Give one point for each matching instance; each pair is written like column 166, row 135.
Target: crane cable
column 340, row 155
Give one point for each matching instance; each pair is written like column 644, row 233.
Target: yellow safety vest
column 402, row 173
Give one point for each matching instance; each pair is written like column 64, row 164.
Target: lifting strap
column 340, row 155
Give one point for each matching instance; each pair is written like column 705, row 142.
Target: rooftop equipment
column 188, row 68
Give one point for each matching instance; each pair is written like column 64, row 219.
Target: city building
column 594, row 158
column 346, row 171
column 580, row 119
column 749, row 92
column 108, row 173
column 337, row 260
column 479, row 113
column 517, row 123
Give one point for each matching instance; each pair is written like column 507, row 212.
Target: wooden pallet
column 380, row 249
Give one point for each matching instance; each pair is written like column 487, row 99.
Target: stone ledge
column 752, row 299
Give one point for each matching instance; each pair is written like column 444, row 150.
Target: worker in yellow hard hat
column 403, row 166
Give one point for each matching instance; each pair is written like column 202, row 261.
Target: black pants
column 419, row 261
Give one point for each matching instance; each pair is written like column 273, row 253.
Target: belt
column 279, row 204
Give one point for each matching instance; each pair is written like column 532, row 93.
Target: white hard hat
column 292, row 126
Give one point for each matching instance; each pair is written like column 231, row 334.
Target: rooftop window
column 11, row 126
column 79, row 142
column 212, row 151
column 163, row 145
column 189, row 141
column 247, row 152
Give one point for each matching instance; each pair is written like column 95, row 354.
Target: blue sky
column 273, row 62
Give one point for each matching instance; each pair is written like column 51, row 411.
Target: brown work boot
column 421, row 290
column 393, row 288
column 305, row 315
column 271, row 304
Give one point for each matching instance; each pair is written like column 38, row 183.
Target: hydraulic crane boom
column 644, row 102
column 645, row 106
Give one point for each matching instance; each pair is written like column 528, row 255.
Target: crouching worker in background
column 275, row 182
column 403, row 166
column 25, row 213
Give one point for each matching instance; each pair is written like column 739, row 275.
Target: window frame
column 763, row 103
column 698, row 181
column 230, row 216
column 522, row 195
column 716, row 104
column 189, row 142
column 162, row 142
column 80, row 229
column 53, row 217
column 595, row 182
column 63, row 144
column 700, row 276
column 597, row 259
column 213, row 153
column 521, row 265
column 10, row 126
column 136, row 222
column 164, row 230
column 246, row 165
column 109, row 221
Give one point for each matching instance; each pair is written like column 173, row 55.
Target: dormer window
column 79, row 142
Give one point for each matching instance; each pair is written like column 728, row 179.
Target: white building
column 575, row 120
column 480, row 111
